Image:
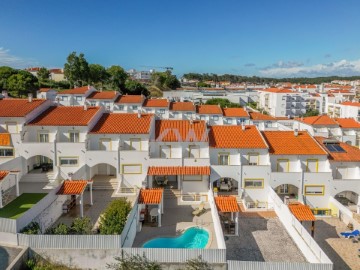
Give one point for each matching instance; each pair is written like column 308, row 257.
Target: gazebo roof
column 150, row 196
column 302, row 212
column 72, row 187
column 3, row 174
column 227, row 204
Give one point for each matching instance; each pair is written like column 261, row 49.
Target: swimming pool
column 193, row 237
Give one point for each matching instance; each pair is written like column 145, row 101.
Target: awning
column 5, row 139
column 3, row 174
column 179, row 170
column 72, row 187
column 150, row 196
column 302, row 212
column 227, row 204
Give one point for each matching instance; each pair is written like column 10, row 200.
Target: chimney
column 85, row 107
column 89, row 86
column 139, row 114
column 243, row 126
column 30, row 97
column 4, row 93
column 296, row 132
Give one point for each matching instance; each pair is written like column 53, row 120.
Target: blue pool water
column 193, row 237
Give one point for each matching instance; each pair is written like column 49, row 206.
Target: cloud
column 341, row 68
column 282, row 64
column 249, row 65
column 328, row 55
column 7, row 59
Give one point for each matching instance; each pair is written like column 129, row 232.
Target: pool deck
column 175, row 220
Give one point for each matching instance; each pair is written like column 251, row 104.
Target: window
column 192, row 178
column 215, row 117
column 254, row 183
column 312, row 165
column 64, row 98
column 282, row 165
column 92, row 103
column 253, row 159
column 131, row 168
column 78, row 98
column 6, row 152
column 43, row 136
column 148, row 110
column 134, row 107
column 194, row 151
column 314, row 190
column 11, row 127
column 162, row 111
column 74, row 136
column 284, row 189
column 68, row 161
column 188, row 114
column 165, row 151
column 120, row 107
column 135, row 144
column 105, row 144
column 224, row 159
column 229, row 121
column 203, row 117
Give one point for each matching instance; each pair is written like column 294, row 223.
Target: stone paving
column 7, row 255
column 262, row 239
column 344, row 253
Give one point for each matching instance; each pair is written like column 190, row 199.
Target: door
column 194, row 151
column 312, row 165
column 135, row 144
column 283, row 165
column 165, row 151
column 43, row 137
column 284, row 189
column 105, row 144
column 102, row 169
column 112, row 170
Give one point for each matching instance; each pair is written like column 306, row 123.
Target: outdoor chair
column 200, row 210
column 350, row 234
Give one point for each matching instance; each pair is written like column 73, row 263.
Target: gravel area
column 262, row 239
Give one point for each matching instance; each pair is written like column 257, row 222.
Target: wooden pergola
column 303, row 213
column 228, row 204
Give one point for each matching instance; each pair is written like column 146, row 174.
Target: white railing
column 345, row 214
column 127, row 233
column 8, row 225
column 216, row 221
column 308, row 246
column 235, row 265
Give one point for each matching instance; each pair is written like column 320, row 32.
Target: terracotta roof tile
column 261, row 117
column 277, row 90
column 72, row 187
column 161, row 102
column 302, row 212
column 182, row 106
column 350, row 103
column 347, row 123
column 3, row 174
column 18, row 107
column 130, row 99
column 150, row 196
column 320, row 120
column 178, row 170
column 5, row 139
column 235, row 112
column 286, row 143
column 208, row 109
column 227, row 204
column 180, row 130
column 103, row 95
column 65, row 116
column 44, row 90
column 236, row 137
column 123, row 123
column 351, row 154
column 76, row 91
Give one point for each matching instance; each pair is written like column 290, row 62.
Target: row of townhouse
column 139, row 150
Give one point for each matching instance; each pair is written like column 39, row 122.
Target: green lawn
column 20, row 205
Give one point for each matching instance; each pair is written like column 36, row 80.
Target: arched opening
column 39, row 164
column 226, row 186
column 349, row 199
column 104, row 176
column 287, row 192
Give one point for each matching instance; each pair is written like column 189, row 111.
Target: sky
column 279, row 38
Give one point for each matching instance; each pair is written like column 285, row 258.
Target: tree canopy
column 165, row 80
column 21, row 83
column 77, row 70
column 117, row 78
column 135, row 88
column 223, row 102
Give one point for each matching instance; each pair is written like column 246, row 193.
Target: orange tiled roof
column 227, row 204
column 235, row 112
column 182, row 106
column 178, row 170
column 3, row 174
column 180, row 130
column 123, row 123
column 150, row 196
column 350, row 103
column 277, row 90
column 10, row 107
column 130, row 99
column 236, row 137
column 103, row 95
column 72, row 187
column 76, row 91
column 302, row 212
column 286, row 143
column 320, row 120
column 44, row 90
column 161, row 102
column 351, row 154
column 347, row 122
column 208, row 109
column 261, row 117
column 5, row 139
column 65, row 116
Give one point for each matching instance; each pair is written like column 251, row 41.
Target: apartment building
column 74, row 97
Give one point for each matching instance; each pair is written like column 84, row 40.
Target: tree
column 43, row 74
column 77, row 70
column 133, row 262
column 22, row 83
column 81, row 226
column 223, row 102
column 197, row 264
column 98, row 74
column 165, row 80
column 158, row 79
column 5, row 73
column 117, row 78
column 311, row 112
column 203, row 84
column 113, row 220
column 172, row 82
column 135, row 88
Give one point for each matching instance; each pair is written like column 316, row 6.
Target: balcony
column 30, row 149
column 165, row 162
column 280, row 178
column 95, row 157
column 196, row 161
column 71, row 147
column 317, row 176
column 232, row 171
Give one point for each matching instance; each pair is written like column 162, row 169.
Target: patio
column 175, row 220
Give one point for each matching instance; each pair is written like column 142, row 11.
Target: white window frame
column 69, row 163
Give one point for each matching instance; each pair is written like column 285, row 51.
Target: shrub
column 38, row 263
column 197, row 264
column 61, row 229
column 81, row 226
column 133, row 262
column 31, row 228
column 113, row 220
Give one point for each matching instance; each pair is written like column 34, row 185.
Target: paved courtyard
column 7, row 255
column 262, row 237
column 342, row 252
column 175, row 220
